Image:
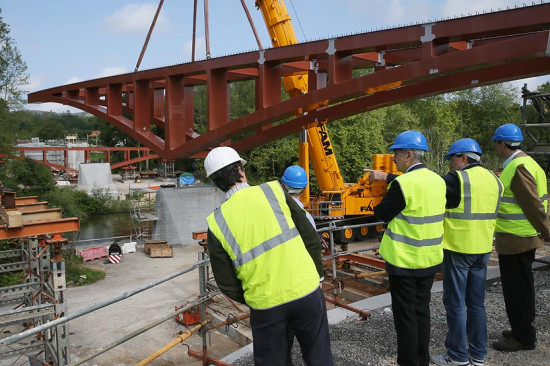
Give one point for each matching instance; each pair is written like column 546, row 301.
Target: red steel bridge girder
column 408, row 63
column 139, row 153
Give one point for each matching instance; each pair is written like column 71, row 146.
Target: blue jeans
column 464, row 277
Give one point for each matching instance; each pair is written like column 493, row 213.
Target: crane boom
column 353, row 203
column 320, row 149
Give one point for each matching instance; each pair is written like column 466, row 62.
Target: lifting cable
column 252, row 25
column 206, row 29
column 298, row 19
column 149, row 35
column 194, row 31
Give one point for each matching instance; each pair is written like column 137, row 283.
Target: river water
column 101, row 229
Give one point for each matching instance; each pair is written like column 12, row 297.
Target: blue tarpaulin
column 187, row 178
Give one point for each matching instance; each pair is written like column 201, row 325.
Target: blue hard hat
column 410, row 140
column 508, row 132
column 295, row 177
column 463, row 146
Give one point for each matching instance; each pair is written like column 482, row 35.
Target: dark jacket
column 222, row 266
column 453, row 186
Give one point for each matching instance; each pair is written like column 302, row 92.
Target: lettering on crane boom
column 327, row 147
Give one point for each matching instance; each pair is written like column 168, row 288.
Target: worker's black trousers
column 307, row 317
column 518, row 288
column 410, row 299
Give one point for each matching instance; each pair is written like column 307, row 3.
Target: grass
column 77, row 273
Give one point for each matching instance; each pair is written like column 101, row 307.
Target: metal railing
column 206, row 293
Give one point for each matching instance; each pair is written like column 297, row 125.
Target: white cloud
column 72, row 80
column 135, row 19
column 200, row 50
column 113, row 70
column 35, row 83
column 532, row 83
column 52, row 107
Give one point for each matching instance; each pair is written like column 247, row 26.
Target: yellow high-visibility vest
column 511, row 218
column 256, row 229
column 469, row 228
column 413, row 238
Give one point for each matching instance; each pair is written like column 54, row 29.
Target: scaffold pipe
column 17, row 337
column 182, row 337
column 142, row 330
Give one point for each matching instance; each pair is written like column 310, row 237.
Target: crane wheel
column 347, row 236
column 378, row 230
column 363, row 233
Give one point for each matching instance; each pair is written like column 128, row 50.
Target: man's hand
column 377, row 175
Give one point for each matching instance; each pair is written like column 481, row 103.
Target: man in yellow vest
column 473, row 198
column 522, row 224
column 414, row 207
column 265, row 254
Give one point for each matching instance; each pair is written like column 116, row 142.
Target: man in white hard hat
column 265, row 254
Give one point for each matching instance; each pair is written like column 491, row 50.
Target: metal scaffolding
column 142, row 214
column 31, row 255
column 40, row 299
column 166, row 169
column 536, row 131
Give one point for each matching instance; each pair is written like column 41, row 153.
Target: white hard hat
column 220, row 157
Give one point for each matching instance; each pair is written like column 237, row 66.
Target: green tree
column 353, row 142
column 438, row 121
column 51, row 129
column 13, row 69
column 268, row 162
column 29, row 175
column 481, row 110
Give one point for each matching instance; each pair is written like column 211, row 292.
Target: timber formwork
column 32, row 243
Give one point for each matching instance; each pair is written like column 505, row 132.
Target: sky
column 67, row 41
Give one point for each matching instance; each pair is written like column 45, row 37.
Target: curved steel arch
column 408, row 62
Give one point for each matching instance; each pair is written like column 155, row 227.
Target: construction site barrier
column 93, row 253
column 115, row 258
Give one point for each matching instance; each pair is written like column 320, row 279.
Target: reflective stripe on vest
column 414, row 242
column 286, row 232
column 413, row 237
column 511, row 218
column 467, row 198
column 255, row 228
column 469, row 227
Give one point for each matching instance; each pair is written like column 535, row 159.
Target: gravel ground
column 373, row 342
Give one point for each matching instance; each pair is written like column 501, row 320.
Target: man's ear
column 242, row 173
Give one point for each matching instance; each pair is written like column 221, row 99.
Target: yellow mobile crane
column 349, row 203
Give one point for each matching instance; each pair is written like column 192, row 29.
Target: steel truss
column 398, row 64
